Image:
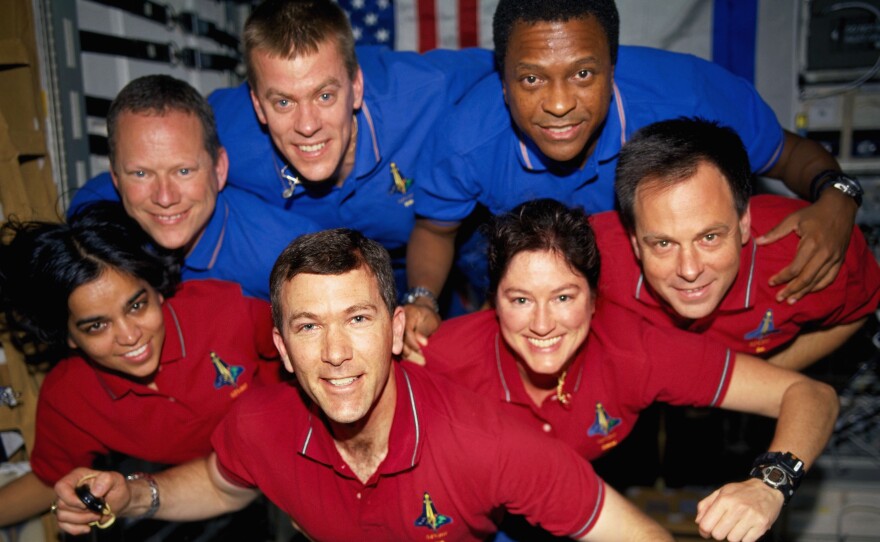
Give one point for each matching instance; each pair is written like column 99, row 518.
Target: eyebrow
column 714, row 228
column 568, row 286
column 128, row 302
column 349, row 310
column 330, row 81
column 591, row 60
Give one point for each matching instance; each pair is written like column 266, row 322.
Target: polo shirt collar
column 404, row 442
column 204, row 255
column 611, row 139
column 367, row 154
column 173, row 349
column 740, row 297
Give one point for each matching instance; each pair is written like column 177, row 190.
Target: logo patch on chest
column 430, row 518
column 765, row 327
column 226, row 375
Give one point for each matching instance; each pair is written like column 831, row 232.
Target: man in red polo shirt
column 365, row 448
column 682, row 250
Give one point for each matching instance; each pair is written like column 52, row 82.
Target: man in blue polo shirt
column 553, row 125
column 169, row 171
column 334, row 135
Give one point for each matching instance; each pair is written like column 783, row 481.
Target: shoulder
column 196, row 299
column 766, row 211
column 463, row 336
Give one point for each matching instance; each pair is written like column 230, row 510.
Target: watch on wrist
column 154, row 492
column 412, row 294
column 782, row 471
column 839, row 181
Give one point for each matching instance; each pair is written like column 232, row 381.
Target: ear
column 357, row 89
column 258, row 108
column 71, row 344
column 745, row 224
column 504, row 89
column 114, row 178
column 398, row 325
column 282, row 349
column 221, row 168
column 635, row 246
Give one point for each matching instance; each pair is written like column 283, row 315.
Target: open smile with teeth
column 544, row 343
column 312, row 148
column 137, row 352
column 342, row 381
column 169, row 218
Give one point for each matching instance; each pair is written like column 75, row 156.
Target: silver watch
column 420, row 291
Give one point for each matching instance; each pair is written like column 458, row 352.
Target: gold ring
column 54, row 508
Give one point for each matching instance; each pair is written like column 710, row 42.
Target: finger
column 787, row 226
column 808, row 281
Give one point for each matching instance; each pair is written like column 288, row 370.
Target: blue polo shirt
column 241, row 242
column 480, row 156
column 405, row 94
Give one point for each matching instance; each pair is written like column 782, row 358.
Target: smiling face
column 688, row 237
column 338, row 339
column 544, row 310
column 165, row 176
column 308, row 104
column 557, row 84
column 116, row 322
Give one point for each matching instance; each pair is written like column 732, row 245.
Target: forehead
column 705, row 196
column 155, row 133
column 282, row 73
column 107, row 292
column 330, row 293
column 555, row 41
column 538, row 267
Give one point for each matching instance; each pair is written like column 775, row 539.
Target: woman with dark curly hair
column 141, row 364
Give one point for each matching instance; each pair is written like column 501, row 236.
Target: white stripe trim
column 179, row 331
column 751, row 274
column 500, row 372
column 620, row 113
column 308, row 438
column 415, row 413
column 596, row 509
column 727, row 361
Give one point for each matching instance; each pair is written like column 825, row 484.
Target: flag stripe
column 427, row 24
column 468, row 23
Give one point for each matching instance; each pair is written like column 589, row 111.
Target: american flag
column 421, row 25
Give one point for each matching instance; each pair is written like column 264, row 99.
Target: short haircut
column 42, row 263
column 670, row 151
column 160, row 95
column 331, row 252
column 290, row 28
column 543, row 225
column 510, row 12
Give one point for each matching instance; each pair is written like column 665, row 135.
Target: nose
column 542, row 321
column 690, row 264
column 127, row 333
column 559, row 100
column 336, row 349
column 308, row 120
column 165, row 192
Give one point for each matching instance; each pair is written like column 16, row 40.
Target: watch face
column 775, row 476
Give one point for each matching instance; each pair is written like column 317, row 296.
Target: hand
column 739, row 512
column 72, row 515
column 421, row 322
column 824, row 229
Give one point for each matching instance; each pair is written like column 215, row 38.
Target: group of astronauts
column 625, row 263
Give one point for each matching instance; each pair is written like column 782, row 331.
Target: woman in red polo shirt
column 140, row 364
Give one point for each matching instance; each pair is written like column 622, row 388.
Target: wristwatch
column 839, row 181
column 420, row 291
column 782, row 471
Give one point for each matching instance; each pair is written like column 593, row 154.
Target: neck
column 348, row 160
column 364, row 444
column 539, row 386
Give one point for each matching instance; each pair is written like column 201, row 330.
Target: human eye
column 519, row 300
column 711, row 238
column 184, row 171
column 529, row 80
column 583, row 74
column 563, row 297
column 360, row 319
column 306, row 327
column 93, row 328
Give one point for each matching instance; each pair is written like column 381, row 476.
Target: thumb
column 784, row 228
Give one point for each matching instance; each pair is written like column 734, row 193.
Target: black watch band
column 782, row 471
column 839, row 181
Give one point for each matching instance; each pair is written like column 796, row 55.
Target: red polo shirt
column 454, row 464
column 211, row 331
column 625, row 365
column 749, row 319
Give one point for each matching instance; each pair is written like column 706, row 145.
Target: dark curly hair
column 42, row 263
column 542, row 224
column 510, row 12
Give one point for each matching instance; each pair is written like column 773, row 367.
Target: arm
column 824, row 228
column 24, row 498
column 621, row 520
column 809, row 348
column 429, row 256
column 192, row 491
column 806, row 411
